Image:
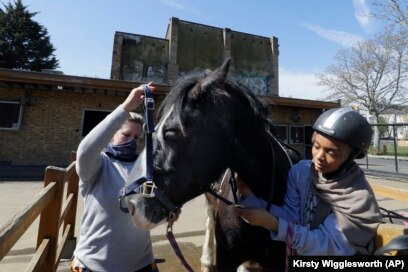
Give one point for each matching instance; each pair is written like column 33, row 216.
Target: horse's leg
column 242, row 268
column 230, row 260
column 249, row 266
column 229, row 253
column 208, row 254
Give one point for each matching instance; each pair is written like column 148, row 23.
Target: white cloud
column 174, row 4
column 299, row 85
column 362, row 14
column 340, row 37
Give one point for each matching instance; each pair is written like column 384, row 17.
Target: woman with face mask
column 329, row 207
column 108, row 240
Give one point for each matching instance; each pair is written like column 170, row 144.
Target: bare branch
column 371, row 74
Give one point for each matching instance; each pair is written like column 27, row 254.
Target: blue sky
column 310, row 32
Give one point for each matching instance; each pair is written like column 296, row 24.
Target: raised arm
column 89, row 157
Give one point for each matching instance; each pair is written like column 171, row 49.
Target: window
column 308, row 134
column 308, row 142
column 308, row 152
column 10, row 115
column 281, row 133
column 297, row 135
column 91, row 119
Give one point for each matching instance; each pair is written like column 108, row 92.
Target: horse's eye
column 171, row 134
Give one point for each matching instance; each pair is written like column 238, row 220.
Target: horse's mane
column 183, row 85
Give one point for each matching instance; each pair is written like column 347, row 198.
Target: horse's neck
column 267, row 163
column 254, row 164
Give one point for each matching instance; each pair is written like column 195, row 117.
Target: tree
column 24, row 43
column 371, row 74
column 393, row 12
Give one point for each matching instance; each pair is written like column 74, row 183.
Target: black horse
column 208, row 124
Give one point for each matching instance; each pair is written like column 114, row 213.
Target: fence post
column 367, row 161
column 49, row 221
column 395, row 148
column 70, row 218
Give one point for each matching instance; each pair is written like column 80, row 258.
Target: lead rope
column 288, row 242
column 176, row 248
column 170, row 235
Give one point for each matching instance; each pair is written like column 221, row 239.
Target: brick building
column 44, row 116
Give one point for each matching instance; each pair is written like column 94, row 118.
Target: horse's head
column 203, row 123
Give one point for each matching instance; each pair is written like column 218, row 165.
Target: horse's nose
column 131, row 208
column 131, row 205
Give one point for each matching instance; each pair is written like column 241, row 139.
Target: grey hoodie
column 108, row 240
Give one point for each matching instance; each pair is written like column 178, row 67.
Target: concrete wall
column 139, row 58
column 253, row 63
column 191, row 47
column 199, row 47
column 205, row 47
column 51, row 125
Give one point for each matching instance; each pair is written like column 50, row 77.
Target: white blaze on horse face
column 159, row 127
column 136, row 209
column 135, row 202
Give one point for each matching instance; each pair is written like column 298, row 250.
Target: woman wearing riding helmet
column 329, row 207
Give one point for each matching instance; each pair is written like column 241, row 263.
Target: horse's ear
column 219, row 74
column 222, row 71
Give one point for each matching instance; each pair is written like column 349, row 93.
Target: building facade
column 44, row 116
column 190, row 47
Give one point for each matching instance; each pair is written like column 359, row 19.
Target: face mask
column 123, row 152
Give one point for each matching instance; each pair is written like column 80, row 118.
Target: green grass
column 402, row 151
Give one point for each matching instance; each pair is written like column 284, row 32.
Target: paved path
column 14, row 195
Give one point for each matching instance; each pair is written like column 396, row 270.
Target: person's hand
column 136, row 97
column 257, row 217
column 243, row 189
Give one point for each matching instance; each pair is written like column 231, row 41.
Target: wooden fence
column 54, row 211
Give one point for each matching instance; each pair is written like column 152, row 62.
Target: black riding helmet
column 347, row 126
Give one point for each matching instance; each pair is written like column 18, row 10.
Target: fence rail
column 54, row 211
column 393, row 145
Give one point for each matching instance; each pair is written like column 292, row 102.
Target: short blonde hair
column 136, row 118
